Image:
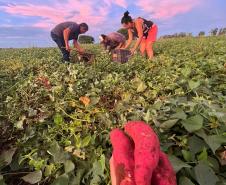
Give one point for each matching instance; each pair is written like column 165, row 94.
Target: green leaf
column 19, row 124
column 222, row 182
column 205, row 175
column 33, row 177
column 214, row 164
column 185, row 181
column 141, row 87
column 193, row 124
column 32, row 112
column 126, row 96
column 215, row 141
column 59, row 156
column 78, row 141
column 186, row 71
column 193, row 84
column 102, row 161
column 203, row 156
column 61, row 180
column 196, row 144
column 7, row 156
column 157, row 105
column 94, row 100
column 177, row 163
column 168, row 124
column 147, row 116
column 187, row 155
column 86, row 141
column 76, row 180
column 97, row 173
column 2, row 182
column 58, row 119
column 179, row 114
column 68, row 166
column 49, row 169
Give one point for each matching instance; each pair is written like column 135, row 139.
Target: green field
column 50, row 136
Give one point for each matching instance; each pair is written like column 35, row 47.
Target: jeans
column 61, row 44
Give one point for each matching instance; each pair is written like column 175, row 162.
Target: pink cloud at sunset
column 95, row 12
column 84, row 11
column 122, row 3
column 165, row 9
column 25, row 20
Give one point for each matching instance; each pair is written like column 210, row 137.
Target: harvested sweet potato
column 164, row 173
column 146, row 152
column 122, row 157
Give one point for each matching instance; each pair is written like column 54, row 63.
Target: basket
column 121, row 55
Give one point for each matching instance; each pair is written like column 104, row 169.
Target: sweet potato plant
column 55, row 118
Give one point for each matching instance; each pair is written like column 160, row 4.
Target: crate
column 121, row 55
column 86, row 57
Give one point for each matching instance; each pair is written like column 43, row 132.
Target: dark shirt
column 74, row 27
column 116, row 37
column 146, row 27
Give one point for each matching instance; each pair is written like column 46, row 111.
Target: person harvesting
column 112, row 41
column 146, row 32
column 66, row 31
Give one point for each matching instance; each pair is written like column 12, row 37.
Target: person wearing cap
column 112, row 41
column 66, row 31
column 145, row 31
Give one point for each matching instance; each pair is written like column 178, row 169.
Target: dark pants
column 61, row 44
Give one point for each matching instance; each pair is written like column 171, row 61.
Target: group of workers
column 144, row 30
column 146, row 33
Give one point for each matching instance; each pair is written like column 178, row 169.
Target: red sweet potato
column 146, row 153
column 164, row 173
column 123, row 158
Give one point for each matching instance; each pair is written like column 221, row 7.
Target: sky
column 27, row 23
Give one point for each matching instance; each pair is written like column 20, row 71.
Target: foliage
column 201, row 33
column 222, row 31
column 124, row 32
column 177, row 35
column 213, row 32
column 86, row 39
column 56, row 118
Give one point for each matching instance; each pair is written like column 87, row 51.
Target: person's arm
column 77, row 46
column 119, row 46
column 129, row 41
column 139, row 27
column 66, row 34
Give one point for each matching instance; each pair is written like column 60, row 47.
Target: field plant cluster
column 55, row 118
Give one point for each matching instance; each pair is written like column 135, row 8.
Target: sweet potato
column 123, row 159
column 164, row 173
column 146, row 153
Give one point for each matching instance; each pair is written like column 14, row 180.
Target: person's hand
column 113, row 172
column 118, row 174
column 68, row 48
column 132, row 51
column 81, row 50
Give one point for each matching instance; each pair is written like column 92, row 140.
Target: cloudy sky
column 27, row 23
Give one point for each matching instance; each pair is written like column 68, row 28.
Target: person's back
column 117, row 37
column 59, row 29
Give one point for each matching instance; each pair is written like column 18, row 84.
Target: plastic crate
column 121, row 55
column 86, row 57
